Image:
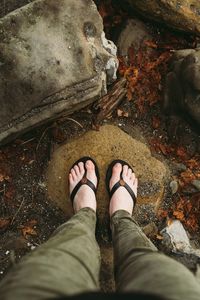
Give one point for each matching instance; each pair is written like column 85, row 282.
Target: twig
column 70, row 119
column 42, row 136
column 14, row 217
column 26, row 142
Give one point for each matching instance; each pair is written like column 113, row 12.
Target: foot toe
column 73, row 173
column 77, row 171
column 129, row 173
column 81, row 168
column 133, row 177
column 125, row 171
column 71, row 178
column 89, row 165
column 117, row 168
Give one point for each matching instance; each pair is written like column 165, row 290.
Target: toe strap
column 83, row 181
column 120, row 183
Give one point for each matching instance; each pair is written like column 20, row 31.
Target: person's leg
column 139, row 267
column 69, row 262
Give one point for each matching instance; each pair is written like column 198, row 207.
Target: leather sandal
column 121, row 182
column 85, row 180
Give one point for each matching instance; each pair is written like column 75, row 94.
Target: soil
column 28, row 218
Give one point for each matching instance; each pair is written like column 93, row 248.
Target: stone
column 182, row 86
column 196, row 184
column 176, row 239
column 134, row 33
column 179, row 14
column 105, row 145
column 182, row 15
column 54, row 59
column 173, row 186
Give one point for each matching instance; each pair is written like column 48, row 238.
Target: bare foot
column 121, row 199
column 85, row 196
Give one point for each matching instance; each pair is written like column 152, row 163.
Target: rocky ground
column 28, row 217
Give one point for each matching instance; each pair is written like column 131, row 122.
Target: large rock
column 179, row 14
column 182, row 87
column 54, row 58
column 133, row 34
column 105, row 145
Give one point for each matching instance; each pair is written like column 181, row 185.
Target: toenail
column 89, row 163
column 117, row 166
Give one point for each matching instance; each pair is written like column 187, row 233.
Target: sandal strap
column 83, row 181
column 122, row 183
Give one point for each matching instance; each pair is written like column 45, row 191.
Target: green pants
column 69, row 263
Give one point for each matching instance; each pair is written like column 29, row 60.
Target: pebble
column 196, row 184
column 174, row 186
column 180, row 167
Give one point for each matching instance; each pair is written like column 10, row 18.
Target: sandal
column 121, row 182
column 85, row 180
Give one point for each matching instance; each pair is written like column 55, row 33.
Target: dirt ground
column 28, row 218
column 31, row 218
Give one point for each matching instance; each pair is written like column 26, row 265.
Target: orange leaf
column 181, row 152
column 122, row 113
column 155, row 122
column 28, row 231
column 150, row 44
column 159, row 237
column 179, row 215
column 4, row 223
column 187, row 176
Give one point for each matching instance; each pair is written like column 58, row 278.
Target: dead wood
column 107, row 104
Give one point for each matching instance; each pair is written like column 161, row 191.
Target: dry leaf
column 28, row 231
column 159, row 237
column 179, row 215
column 4, row 223
column 150, row 44
column 122, row 113
column 155, row 122
column 181, row 152
column 187, row 176
column 169, row 221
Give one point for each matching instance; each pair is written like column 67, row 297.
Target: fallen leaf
column 159, row 237
column 28, row 231
column 169, row 221
column 187, row 176
column 179, row 215
column 4, row 223
column 193, row 164
column 122, row 113
column 155, row 122
column 150, row 44
column 162, row 213
column 181, row 152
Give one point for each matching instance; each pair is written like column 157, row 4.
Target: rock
column 182, row 86
column 173, row 186
column 179, row 14
column 151, row 230
column 54, row 60
column 180, row 167
column 196, row 184
column 105, row 145
column 176, row 239
column 134, row 33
